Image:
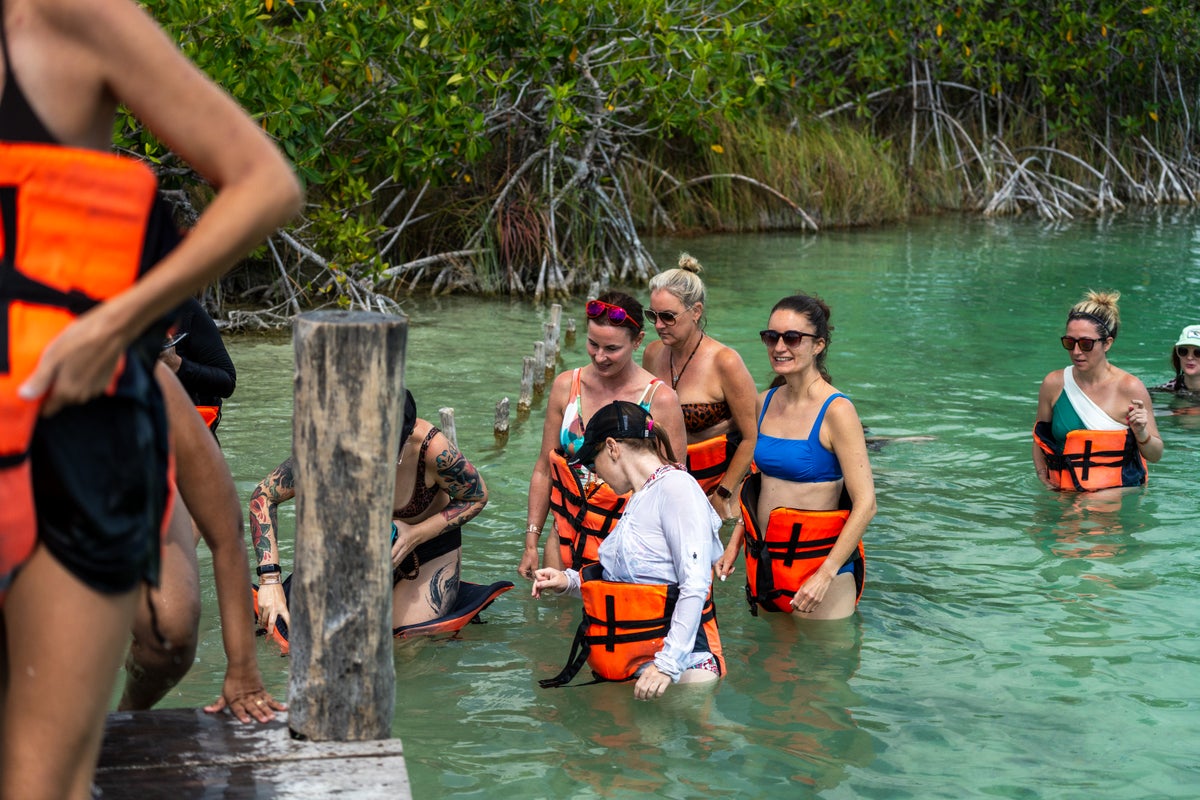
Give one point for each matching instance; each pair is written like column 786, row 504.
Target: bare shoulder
column 1130, row 384
column 664, row 395
column 439, row 442
column 1053, row 382
column 421, row 428
column 728, row 359
column 100, row 23
column 560, row 389
column 841, row 409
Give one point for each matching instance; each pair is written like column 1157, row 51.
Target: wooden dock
column 185, row 753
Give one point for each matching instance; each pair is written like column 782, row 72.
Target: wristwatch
column 267, row 569
column 722, row 492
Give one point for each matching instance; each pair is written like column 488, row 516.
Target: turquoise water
column 1011, row 643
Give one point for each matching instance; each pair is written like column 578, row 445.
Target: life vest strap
column 10, row 460
column 575, row 661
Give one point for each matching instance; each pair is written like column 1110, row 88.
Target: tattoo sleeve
column 276, row 488
column 468, row 494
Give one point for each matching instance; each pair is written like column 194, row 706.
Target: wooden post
column 569, row 337
column 447, row 426
column 554, row 334
column 539, row 366
column 550, row 340
column 346, row 431
column 501, row 426
column 526, row 400
column 593, row 290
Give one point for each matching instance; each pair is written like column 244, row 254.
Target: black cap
column 618, row 420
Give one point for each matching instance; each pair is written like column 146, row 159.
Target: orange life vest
column 73, row 233
column 209, row 414
column 1091, row 460
column 624, row 625
column 583, row 514
column 794, row 546
column 709, row 460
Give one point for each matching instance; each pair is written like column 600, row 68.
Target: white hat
column 1190, row 336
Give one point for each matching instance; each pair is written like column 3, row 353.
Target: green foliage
column 411, row 121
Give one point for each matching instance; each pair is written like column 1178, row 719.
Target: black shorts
column 101, row 487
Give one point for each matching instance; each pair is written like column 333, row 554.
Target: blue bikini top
column 798, row 460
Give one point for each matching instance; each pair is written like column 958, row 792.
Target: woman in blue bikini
column 807, row 505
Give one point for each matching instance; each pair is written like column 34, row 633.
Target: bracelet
column 267, row 569
column 1143, row 441
column 270, row 582
column 534, row 529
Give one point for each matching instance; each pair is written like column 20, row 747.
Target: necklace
column 671, row 361
column 658, row 472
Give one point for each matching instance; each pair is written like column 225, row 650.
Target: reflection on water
column 1087, row 525
column 1011, row 642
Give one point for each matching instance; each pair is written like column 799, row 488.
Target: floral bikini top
column 570, row 435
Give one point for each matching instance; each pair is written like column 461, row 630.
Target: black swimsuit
column 99, row 470
column 18, row 121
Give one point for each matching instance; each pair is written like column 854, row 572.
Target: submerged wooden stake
column 447, row 426
column 501, row 426
column 526, row 399
column 539, row 366
column 346, row 431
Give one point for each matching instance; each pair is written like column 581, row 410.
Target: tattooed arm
column 276, row 488
column 467, row 492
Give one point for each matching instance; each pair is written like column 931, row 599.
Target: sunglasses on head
column 1182, row 351
column 616, row 315
column 790, row 338
column 1085, row 344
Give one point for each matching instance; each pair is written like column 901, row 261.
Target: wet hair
column 632, row 307
column 818, row 314
column 1100, row 309
column 683, row 282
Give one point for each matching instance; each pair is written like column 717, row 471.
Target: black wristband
column 267, row 569
column 722, row 492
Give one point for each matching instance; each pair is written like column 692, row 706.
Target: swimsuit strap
column 648, row 394
column 815, row 434
column 766, row 402
column 433, row 431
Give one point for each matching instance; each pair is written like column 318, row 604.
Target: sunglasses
column 790, row 338
column 1085, row 344
column 668, row 317
column 1182, row 351
column 616, row 315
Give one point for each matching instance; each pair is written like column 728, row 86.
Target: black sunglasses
column 790, row 338
column 616, row 315
column 1085, row 344
column 1182, row 351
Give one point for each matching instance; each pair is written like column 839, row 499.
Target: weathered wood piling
column 346, row 432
